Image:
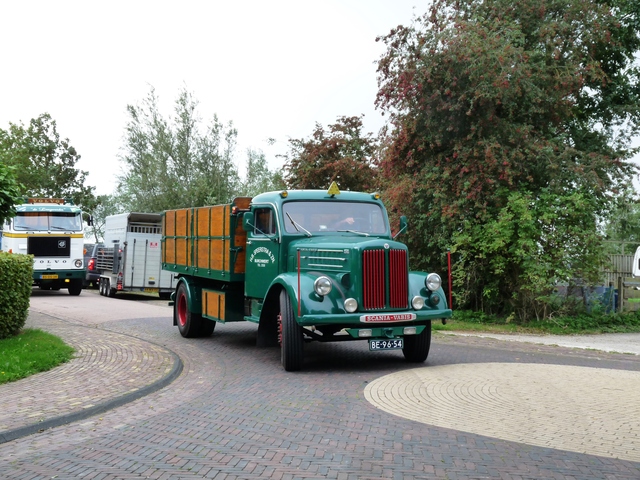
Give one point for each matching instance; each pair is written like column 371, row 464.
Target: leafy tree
column 500, row 113
column 105, row 205
column 622, row 226
column 9, row 192
column 173, row 163
column 258, row 177
column 45, row 163
column 342, row 154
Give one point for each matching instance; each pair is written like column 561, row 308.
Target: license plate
column 151, row 290
column 385, row 344
column 48, row 277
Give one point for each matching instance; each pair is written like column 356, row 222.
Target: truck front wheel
column 189, row 323
column 416, row 347
column 75, row 287
column 290, row 336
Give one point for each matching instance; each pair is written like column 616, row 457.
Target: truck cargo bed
column 206, row 242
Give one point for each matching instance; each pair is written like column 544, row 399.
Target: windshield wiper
column 56, row 227
column 354, row 231
column 296, row 225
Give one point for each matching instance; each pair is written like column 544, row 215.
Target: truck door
column 262, row 253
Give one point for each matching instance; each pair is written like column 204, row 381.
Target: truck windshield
column 48, row 221
column 334, row 216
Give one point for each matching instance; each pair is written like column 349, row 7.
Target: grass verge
column 30, row 352
column 466, row 321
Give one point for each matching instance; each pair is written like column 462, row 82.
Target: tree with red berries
column 342, row 153
column 509, row 136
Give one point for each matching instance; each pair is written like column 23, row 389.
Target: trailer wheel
column 111, row 292
column 101, row 286
column 75, row 287
column 189, row 323
column 416, row 347
column 290, row 336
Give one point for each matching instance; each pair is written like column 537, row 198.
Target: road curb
column 13, row 434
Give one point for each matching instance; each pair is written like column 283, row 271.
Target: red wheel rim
column 182, row 310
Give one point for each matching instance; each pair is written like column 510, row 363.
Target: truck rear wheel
column 416, row 347
column 189, row 323
column 207, row 327
column 290, row 336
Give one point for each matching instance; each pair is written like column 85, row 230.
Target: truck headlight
column 433, row 282
column 322, row 286
column 78, row 263
column 417, row 303
column 350, row 305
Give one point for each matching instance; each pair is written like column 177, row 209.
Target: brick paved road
column 234, row 413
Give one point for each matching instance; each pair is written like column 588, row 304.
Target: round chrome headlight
column 322, row 286
column 350, row 305
column 433, row 282
column 78, row 263
column 417, row 303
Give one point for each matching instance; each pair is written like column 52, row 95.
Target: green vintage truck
column 305, row 265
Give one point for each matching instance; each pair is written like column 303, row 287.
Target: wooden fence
column 618, row 275
column 628, row 294
column 620, row 266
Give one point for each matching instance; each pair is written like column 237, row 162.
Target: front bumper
column 374, row 319
column 43, row 276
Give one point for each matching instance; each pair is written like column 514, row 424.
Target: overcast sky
column 274, row 68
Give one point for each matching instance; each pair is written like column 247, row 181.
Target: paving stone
column 234, row 413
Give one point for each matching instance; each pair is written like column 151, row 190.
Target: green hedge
column 16, row 279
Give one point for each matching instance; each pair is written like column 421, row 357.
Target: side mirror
column 90, row 221
column 404, row 225
column 247, row 221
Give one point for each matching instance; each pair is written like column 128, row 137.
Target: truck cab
column 338, row 272
column 52, row 230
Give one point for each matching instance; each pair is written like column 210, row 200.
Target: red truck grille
column 384, row 288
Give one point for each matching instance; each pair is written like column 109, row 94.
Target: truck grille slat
column 398, row 275
column 376, row 278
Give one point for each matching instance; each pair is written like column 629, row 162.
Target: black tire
column 189, row 323
column 110, row 291
column 291, row 337
column 416, row 347
column 101, row 287
column 75, row 287
column 207, row 327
